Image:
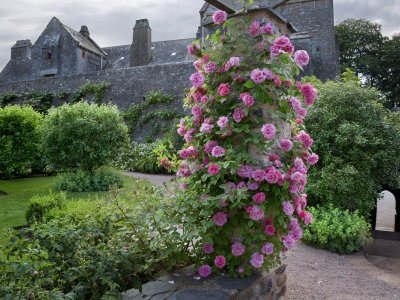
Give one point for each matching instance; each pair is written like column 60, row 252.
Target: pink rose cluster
column 219, row 17
column 281, row 44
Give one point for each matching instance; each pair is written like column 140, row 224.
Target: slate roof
column 84, row 42
column 162, row 52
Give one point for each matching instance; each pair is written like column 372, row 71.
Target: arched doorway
column 386, row 212
column 385, row 206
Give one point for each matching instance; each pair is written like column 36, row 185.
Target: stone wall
column 185, row 285
column 128, row 85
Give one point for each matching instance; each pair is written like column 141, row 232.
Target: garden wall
column 128, row 85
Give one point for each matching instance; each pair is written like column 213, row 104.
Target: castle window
column 83, row 53
column 48, row 55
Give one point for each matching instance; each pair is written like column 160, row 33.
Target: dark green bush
column 83, row 136
column 358, row 148
column 120, row 244
column 102, row 179
column 337, row 230
column 39, row 206
column 19, row 141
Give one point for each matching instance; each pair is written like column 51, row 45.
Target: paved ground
column 318, row 274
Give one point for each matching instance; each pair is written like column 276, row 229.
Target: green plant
column 356, row 145
column 7, row 98
column 97, row 90
column 102, row 179
column 40, row 205
column 19, row 140
column 121, row 243
column 39, row 101
column 337, row 230
column 83, row 136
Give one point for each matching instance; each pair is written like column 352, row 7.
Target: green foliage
column 7, row 98
column 83, row 136
column 102, row 179
column 350, row 76
column 138, row 115
column 337, row 230
column 19, row 141
column 97, row 90
column 41, row 102
column 358, row 148
column 39, row 206
column 120, row 244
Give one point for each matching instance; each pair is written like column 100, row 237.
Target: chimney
column 21, row 50
column 140, row 52
column 84, row 31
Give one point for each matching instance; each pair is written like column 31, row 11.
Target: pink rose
column 210, row 67
column 269, row 229
column 234, row 61
column 219, row 17
column 237, row 249
column 197, row 79
column 269, row 131
column 217, row 151
column 259, row 198
column 244, row 171
column 287, row 208
column 204, row 271
column 267, row 28
column 209, row 146
column 224, row 89
column 285, row 145
column 206, row 127
column 267, row 249
column 255, row 212
column 220, row 218
column 213, row 169
column 301, row 58
column 313, row 159
column 309, row 93
column 238, row 114
column 257, row 76
column 258, row 175
column 223, row 122
column 254, row 29
column 257, row 260
column 208, row 248
column 247, row 99
column 197, row 111
column 220, row 261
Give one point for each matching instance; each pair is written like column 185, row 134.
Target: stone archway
column 374, row 213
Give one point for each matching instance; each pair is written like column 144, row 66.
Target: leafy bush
column 102, row 179
column 83, row 136
column 19, row 141
column 337, row 230
column 358, row 148
column 39, row 206
column 141, row 157
column 120, row 244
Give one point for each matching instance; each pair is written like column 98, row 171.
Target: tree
column 83, row 136
column 360, row 43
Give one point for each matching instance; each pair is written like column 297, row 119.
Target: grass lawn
column 19, row 191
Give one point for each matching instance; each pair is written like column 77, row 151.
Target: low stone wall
column 185, row 285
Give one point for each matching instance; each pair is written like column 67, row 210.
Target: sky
column 110, row 22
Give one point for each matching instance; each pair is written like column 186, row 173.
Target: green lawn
column 19, row 191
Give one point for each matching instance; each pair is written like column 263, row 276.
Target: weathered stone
column 197, row 294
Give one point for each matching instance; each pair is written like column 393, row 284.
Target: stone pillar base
column 185, row 285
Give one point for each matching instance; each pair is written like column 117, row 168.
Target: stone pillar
column 21, row 50
column 140, row 52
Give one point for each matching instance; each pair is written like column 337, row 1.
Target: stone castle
column 63, row 59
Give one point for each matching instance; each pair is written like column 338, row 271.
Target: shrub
column 102, row 179
column 83, row 136
column 19, row 141
column 39, row 206
column 244, row 165
column 337, row 230
column 356, row 145
column 120, row 244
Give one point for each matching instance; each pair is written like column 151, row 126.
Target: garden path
column 319, row 274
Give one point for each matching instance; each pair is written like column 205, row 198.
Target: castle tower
column 84, row 31
column 140, row 51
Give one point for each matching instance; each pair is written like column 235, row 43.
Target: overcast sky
column 110, row 22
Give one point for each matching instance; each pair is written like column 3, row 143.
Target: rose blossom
column 217, row 151
column 254, row 29
column 285, row 144
column 258, row 175
column 238, row 114
column 220, row 218
column 257, row 260
column 287, row 207
column 197, row 79
column 210, row 67
column 209, row 146
column 241, row 269
column 223, row 122
column 204, row 271
column 257, row 76
column 284, row 44
column 244, row 171
column 309, row 93
column 204, row 99
column 190, row 49
column 308, row 218
column 288, row 241
column 305, row 138
column 208, row 248
column 220, row 261
column 255, row 212
column 224, row 89
column 269, row 131
column 301, row 58
column 269, row 229
column 267, row 249
column 197, row 111
column 272, row 175
column 313, row 159
column 219, row 17
column 206, row 128
column 234, row 61
column 213, row 169
column 267, row 28
column 197, row 65
column 252, row 186
column 237, row 249
column 259, row 198
column 247, row 99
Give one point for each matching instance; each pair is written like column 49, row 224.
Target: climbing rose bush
column 244, row 166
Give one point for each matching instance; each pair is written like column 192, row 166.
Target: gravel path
column 319, row 274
